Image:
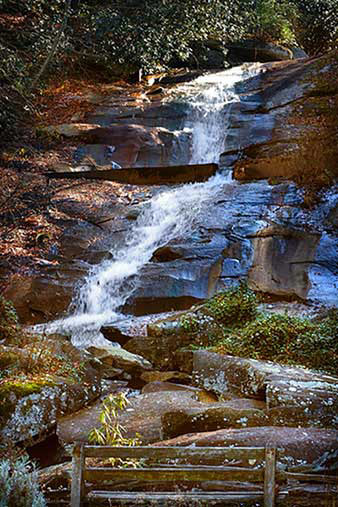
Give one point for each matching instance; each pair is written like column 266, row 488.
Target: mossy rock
column 12, row 391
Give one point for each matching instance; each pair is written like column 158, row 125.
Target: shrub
column 318, row 25
column 19, row 485
column 272, row 20
column 235, row 306
column 287, row 340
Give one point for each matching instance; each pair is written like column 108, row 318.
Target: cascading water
column 170, row 214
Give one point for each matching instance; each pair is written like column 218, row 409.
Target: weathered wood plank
column 326, row 479
column 270, row 477
column 174, row 474
column 77, row 475
column 138, row 497
column 146, row 175
column 227, row 453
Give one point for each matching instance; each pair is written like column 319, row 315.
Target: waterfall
column 169, row 215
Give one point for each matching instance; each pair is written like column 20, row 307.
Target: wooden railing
column 259, row 466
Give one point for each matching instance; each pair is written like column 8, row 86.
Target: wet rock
column 298, row 104
column 193, row 420
column 117, row 357
column 302, row 446
column 225, row 374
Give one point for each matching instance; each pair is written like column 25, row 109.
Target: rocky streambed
column 275, row 128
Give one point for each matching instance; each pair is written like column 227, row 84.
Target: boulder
column 293, row 121
column 224, row 374
column 142, row 415
column 302, row 446
column 117, row 357
column 305, row 403
column 30, row 409
column 253, row 50
column 193, row 420
column 70, row 129
column 158, row 386
column 159, row 350
column 166, row 376
column 280, row 255
column 128, row 145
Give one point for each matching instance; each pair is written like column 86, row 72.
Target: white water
column 169, row 215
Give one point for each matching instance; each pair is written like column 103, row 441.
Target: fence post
column 270, row 477
column 77, row 475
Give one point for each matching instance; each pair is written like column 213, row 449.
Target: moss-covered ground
column 231, row 323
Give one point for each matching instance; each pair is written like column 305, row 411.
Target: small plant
column 19, row 485
column 111, row 432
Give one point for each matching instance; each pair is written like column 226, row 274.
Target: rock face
column 292, row 106
column 282, row 125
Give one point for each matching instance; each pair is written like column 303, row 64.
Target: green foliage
column 19, row 484
column 285, row 339
column 272, row 20
column 111, row 432
column 317, row 29
column 235, row 306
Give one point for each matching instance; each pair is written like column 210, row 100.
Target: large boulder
column 302, row 446
column 30, row 409
column 250, row 377
column 128, row 145
column 305, row 403
column 117, row 357
column 223, row 415
column 254, row 50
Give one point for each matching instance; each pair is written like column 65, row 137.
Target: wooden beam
column 140, row 498
column 227, row 453
column 77, row 475
column 174, row 474
column 167, row 175
column 270, row 477
column 326, row 479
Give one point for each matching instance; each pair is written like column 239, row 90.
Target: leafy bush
column 272, row 20
column 317, row 25
column 19, row 485
column 287, row 340
column 235, row 306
